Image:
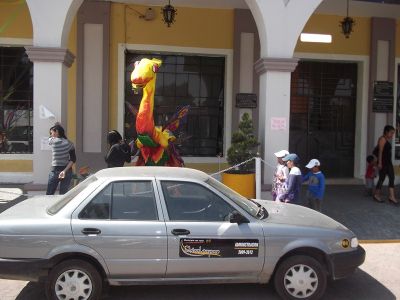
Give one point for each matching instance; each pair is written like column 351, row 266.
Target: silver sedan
column 162, row 225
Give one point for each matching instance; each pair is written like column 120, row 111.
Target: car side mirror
column 236, row 217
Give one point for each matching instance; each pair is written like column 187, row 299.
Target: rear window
column 71, row 195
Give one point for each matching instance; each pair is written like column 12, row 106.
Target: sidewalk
column 368, row 219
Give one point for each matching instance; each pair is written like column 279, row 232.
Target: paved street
column 378, row 278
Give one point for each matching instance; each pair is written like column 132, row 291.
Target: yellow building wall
column 72, row 46
column 202, row 28
column 207, row 167
column 15, row 20
column 357, row 44
column 16, row 166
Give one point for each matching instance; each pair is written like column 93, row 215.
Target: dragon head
column 144, row 71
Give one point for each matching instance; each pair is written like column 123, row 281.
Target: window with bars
column 182, row 80
column 16, row 101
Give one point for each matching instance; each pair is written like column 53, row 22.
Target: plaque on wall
column 383, row 97
column 246, row 100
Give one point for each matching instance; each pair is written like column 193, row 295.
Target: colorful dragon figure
column 155, row 142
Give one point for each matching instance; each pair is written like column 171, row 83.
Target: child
column 316, row 185
column 294, row 180
column 280, row 176
column 370, row 174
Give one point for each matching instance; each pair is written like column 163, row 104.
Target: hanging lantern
column 347, row 23
column 169, row 13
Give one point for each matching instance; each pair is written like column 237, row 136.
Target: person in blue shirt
column 316, row 185
column 294, row 179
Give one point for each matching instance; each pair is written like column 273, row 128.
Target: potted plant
column 244, row 146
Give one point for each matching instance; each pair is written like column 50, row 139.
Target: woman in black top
column 383, row 152
column 119, row 152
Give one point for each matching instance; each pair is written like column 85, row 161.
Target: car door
column 123, row 223
column 201, row 240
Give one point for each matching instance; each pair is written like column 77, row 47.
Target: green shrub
column 244, row 145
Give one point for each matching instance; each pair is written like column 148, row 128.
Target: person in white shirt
column 281, row 173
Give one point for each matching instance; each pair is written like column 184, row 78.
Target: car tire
column 300, row 277
column 74, row 279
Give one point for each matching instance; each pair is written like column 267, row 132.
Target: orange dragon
column 155, row 142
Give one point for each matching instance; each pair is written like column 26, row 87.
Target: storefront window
column 183, row 80
column 16, row 94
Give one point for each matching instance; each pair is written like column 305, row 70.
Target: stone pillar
column 279, row 24
column 382, row 68
column 51, row 22
column 50, row 92
column 274, row 108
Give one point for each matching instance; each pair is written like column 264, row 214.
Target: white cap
column 281, row 153
column 313, row 163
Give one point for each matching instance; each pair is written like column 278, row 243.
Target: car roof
column 165, row 172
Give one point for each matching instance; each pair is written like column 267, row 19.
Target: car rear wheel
column 74, row 280
column 300, row 277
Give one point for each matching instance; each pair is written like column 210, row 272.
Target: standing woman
column 119, row 152
column 63, row 157
column 383, row 152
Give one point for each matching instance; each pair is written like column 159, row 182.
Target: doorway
column 322, row 115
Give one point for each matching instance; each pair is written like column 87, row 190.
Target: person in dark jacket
column 119, row 152
column 294, row 179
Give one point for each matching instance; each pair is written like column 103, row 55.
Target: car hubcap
column 301, row 281
column 73, row 285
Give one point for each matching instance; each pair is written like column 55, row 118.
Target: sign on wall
column 246, row 100
column 383, row 97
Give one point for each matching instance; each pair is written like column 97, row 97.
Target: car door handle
column 89, row 231
column 180, row 232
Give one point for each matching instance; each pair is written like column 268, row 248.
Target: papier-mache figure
column 156, row 143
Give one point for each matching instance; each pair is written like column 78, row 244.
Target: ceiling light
column 316, row 38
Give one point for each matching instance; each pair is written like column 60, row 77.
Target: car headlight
column 354, row 242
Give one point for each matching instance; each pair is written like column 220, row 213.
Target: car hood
column 31, row 208
column 297, row 215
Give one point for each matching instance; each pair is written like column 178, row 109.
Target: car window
column 71, row 194
column 243, row 202
column 123, row 200
column 188, row 201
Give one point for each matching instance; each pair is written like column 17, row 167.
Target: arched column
column 51, row 22
column 279, row 24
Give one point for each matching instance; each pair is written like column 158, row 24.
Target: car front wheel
column 300, row 277
column 74, row 279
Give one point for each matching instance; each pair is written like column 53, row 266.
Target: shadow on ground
column 358, row 286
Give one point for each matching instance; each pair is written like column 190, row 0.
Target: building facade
column 70, row 60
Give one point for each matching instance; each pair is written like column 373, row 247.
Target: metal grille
column 16, row 100
column 322, row 121
column 182, row 80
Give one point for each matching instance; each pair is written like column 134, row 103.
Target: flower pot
column 244, row 184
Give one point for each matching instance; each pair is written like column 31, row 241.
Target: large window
column 16, row 94
column 182, row 80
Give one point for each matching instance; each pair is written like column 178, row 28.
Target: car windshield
column 249, row 206
column 70, row 195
